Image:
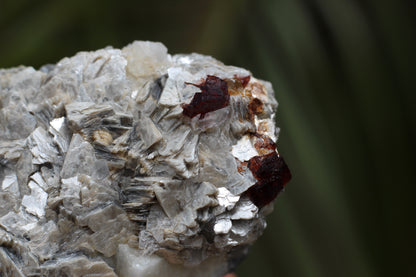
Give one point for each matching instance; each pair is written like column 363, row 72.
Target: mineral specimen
column 134, row 162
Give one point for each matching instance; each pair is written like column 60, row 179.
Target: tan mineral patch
column 102, row 137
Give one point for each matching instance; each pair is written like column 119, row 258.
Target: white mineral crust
column 103, row 174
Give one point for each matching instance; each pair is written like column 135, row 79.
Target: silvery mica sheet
column 134, row 162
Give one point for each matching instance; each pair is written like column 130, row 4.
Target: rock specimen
column 134, row 162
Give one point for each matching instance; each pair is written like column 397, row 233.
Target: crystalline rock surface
column 134, row 162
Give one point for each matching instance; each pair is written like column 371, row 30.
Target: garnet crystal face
column 272, row 175
column 213, row 96
column 133, row 162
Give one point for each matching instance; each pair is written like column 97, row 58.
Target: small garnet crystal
column 213, row 96
column 272, row 174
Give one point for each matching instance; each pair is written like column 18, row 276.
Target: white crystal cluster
column 101, row 174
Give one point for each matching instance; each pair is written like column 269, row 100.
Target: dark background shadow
column 342, row 72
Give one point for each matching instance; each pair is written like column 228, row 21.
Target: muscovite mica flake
column 134, row 162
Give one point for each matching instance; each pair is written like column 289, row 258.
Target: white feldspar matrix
column 134, row 162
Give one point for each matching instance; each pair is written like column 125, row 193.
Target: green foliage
column 342, row 72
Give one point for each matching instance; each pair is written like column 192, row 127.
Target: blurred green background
column 342, row 72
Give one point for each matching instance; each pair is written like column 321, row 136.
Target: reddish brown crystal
column 264, row 142
column 272, row 175
column 243, row 80
column 213, row 96
column 255, row 106
column 237, row 85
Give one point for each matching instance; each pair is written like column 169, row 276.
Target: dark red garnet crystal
column 214, row 95
column 272, row 174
